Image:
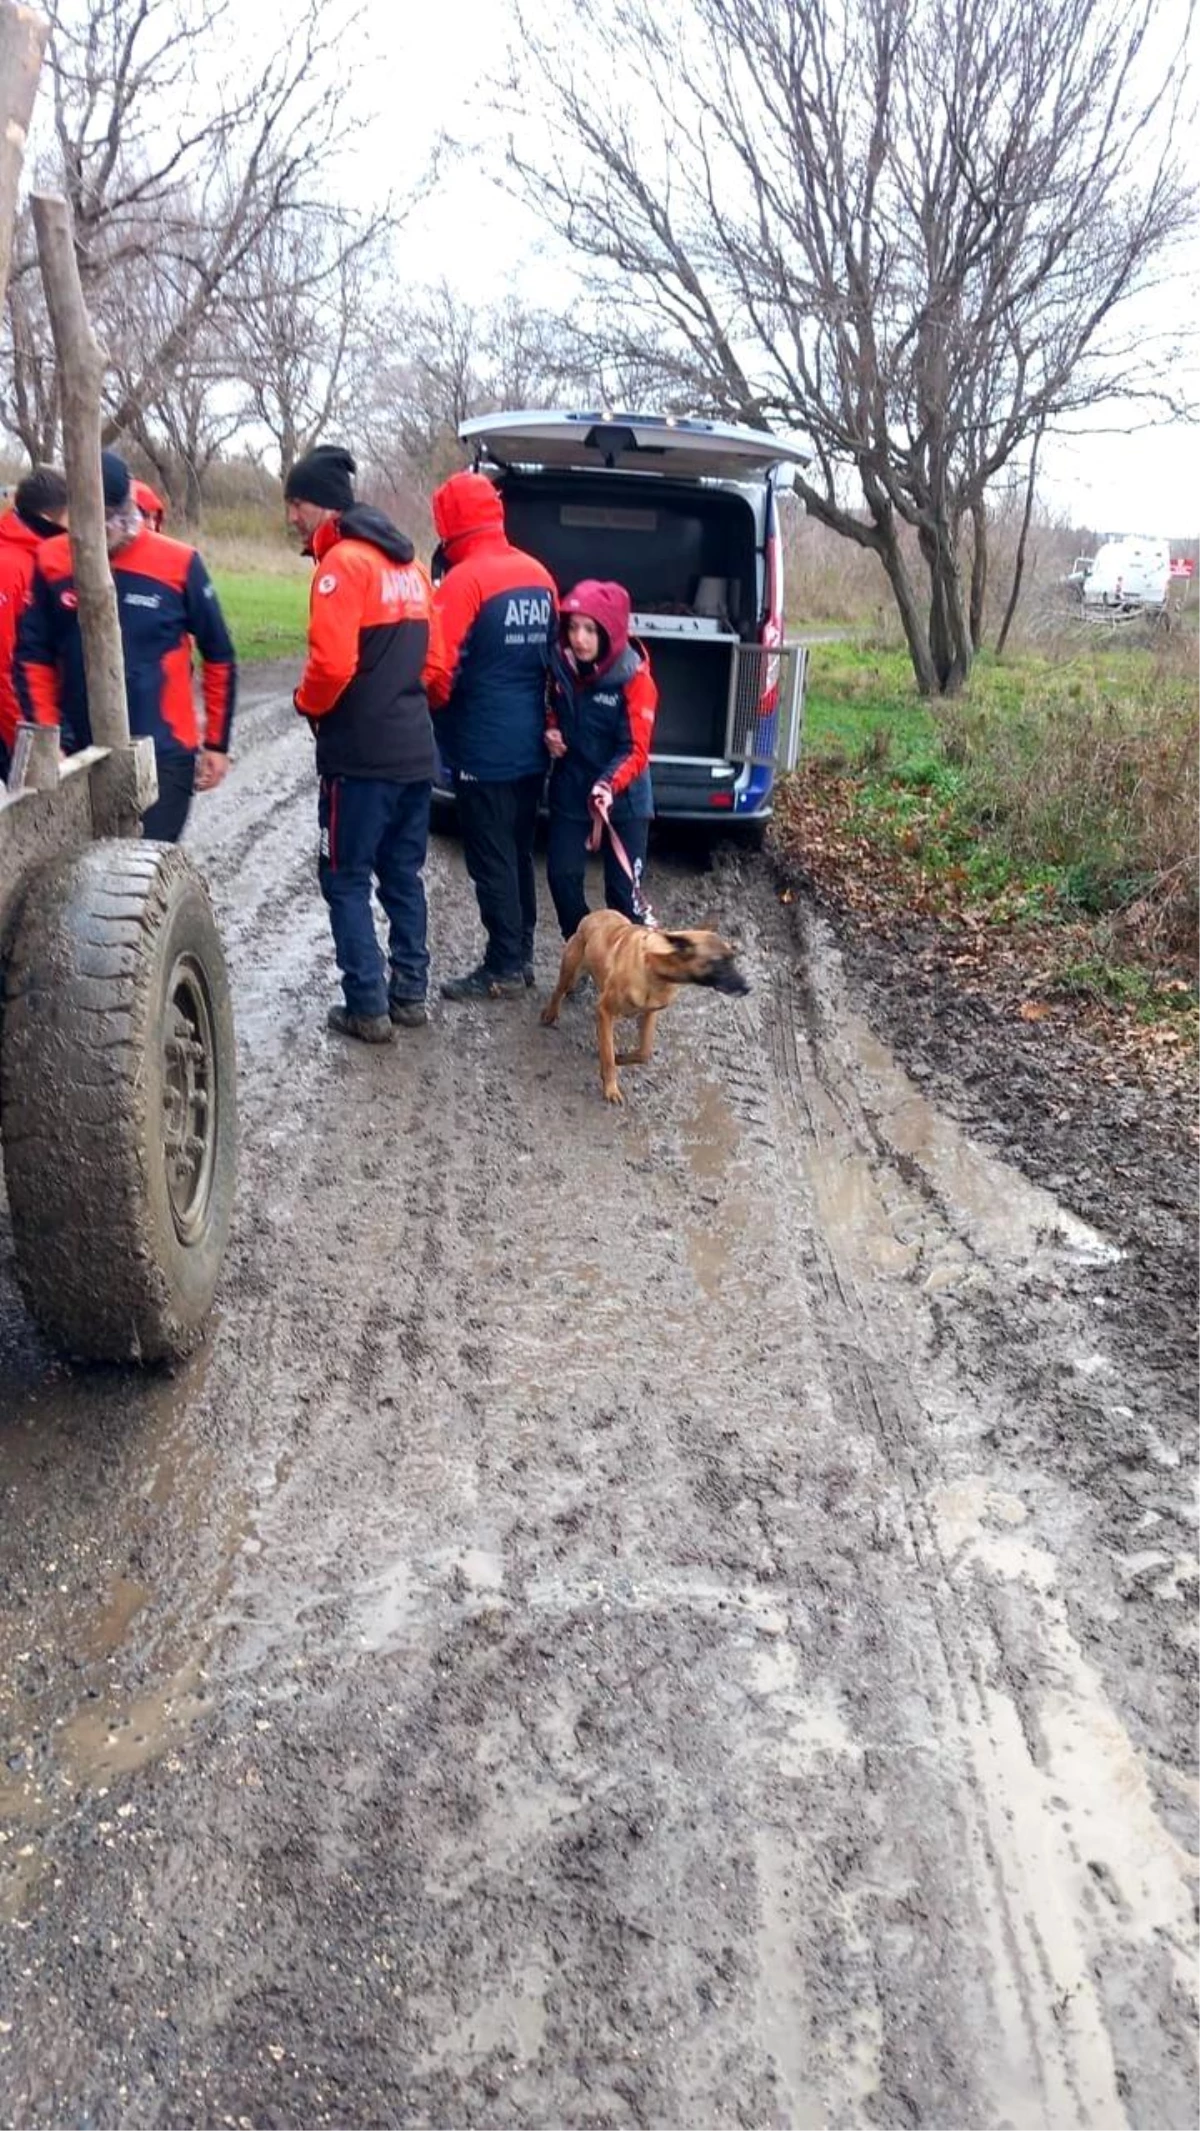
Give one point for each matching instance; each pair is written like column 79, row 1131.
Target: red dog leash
column 633, row 873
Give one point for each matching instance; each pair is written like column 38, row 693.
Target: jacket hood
column 466, row 503
column 23, row 535
column 605, row 604
column 148, row 501
column 363, row 522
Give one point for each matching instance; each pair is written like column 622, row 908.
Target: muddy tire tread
column 82, row 1016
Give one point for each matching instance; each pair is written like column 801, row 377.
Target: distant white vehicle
column 1124, row 576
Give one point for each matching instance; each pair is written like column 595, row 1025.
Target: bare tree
column 180, row 149
column 29, row 403
column 442, row 359
column 300, row 316
column 912, row 230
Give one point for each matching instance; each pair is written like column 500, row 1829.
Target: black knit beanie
column 324, row 476
column 115, row 477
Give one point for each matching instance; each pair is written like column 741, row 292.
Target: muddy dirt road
column 680, row 1616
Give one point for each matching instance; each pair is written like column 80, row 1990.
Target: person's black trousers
column 497, row 823
column 566, row 866
column 164, row 823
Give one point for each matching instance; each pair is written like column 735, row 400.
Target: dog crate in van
column 683, row 513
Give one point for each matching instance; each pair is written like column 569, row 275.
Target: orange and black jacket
column 165, row 600
column 371, row 636
column 497, row 607
column 19, row 543
column 605, row 712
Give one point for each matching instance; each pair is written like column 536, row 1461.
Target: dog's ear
column 682, row 943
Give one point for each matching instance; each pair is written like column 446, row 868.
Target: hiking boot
column 408, row 1013
column 530, row 979
column 368, row 1028
column 482, row 983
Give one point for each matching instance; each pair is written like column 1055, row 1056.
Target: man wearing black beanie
column 370, row 635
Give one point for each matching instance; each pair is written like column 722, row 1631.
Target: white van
column 1129, row 574
column 683, row 513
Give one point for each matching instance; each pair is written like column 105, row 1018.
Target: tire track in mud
column 1041, row 1964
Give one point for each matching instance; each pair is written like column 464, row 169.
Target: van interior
column 688, row 558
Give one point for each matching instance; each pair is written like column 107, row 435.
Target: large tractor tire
column 117, row 1102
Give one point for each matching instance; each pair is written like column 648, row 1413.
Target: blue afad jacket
column 604, row 712
column 165, row 602
column 496, row 608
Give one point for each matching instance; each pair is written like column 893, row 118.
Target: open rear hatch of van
column 686, row 448
column 679, row 512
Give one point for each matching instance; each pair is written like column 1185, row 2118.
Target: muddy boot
column 408, row 1013
column 368, row 1028
column 482, row 984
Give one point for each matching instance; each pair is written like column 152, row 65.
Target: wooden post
column 22, row 40
column 80, row 370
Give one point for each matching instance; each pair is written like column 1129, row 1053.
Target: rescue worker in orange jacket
column 497, row 607
column 39, row 512
column 166, row 603
column 371, row 637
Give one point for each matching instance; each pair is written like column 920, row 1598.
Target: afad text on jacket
column 604, row 712
column 497, row 607
column 371, row 636
column 165, row 600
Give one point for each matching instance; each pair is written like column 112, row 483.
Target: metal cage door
column 766, row 705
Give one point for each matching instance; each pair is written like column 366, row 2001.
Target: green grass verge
column 267, row 613
column 1055, row 790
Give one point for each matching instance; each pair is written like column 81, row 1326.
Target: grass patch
column 862, row 706
column 267, row 611
column 1152, row 1001
column 1041, row 831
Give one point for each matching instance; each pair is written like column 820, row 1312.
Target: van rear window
column 612, row 517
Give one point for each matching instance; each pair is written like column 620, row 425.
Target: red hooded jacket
column 604, row 712
column 19, row 543
column 496, row 607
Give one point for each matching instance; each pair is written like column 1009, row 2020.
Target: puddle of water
column 1005, row 1216
column 1110, row 1832
column 848, row 1198
column 105, row 1633
column 711, row 1135
column 980, row 1524
column 710, row 1249
column 106, row 1739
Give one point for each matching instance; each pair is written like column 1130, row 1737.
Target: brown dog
column 637, row 971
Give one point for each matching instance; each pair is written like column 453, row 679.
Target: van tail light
column 720, row 799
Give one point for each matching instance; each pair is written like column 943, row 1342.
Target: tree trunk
column 979, row 571
column 1019, row 562
column 949, row 642
column 22, row 39
column 80, row 370
column 193, row 493
column 915, row 633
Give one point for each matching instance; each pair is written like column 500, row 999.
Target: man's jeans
column 372, row 827
column 497, row 823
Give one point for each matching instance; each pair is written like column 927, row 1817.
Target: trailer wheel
column 117, row 1102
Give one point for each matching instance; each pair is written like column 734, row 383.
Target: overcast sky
column 429, row 68
column 443, row 65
